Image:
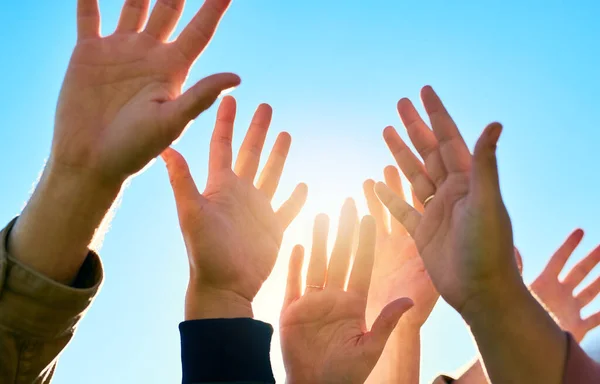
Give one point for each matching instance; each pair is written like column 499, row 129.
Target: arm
column 110, row 123
column 232, row 237
column 398, row 271
column 465, row 240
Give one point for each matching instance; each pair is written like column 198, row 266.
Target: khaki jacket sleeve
column 38, row 316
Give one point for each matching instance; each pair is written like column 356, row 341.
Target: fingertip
column 369, row 185
column 285, row 137
column 368, row 223
column 389, row 132
column 322, row 220
column 391, row 172
column 302, row 190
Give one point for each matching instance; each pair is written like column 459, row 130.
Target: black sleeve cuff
column 226, row 350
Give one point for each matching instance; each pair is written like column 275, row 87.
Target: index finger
column 198, row 33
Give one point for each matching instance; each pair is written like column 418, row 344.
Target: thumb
column 484, row 173
column 180, row 177
column 195, row 100
column 384, row 325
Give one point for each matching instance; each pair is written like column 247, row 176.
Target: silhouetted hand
column 231, row 233
column 121, row 104
column 464, row 235
column 398, row 269
column 558, row 296
column 324, row 336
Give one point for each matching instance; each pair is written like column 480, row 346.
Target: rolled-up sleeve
column 38, row 316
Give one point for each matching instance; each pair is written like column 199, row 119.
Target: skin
column 398, row 271
column 324, row 335
column 231, row 232
column 559, row 298
column 120, row 106
column 464, row 237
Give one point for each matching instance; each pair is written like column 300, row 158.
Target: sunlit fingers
column 400, row 209
column 271, row 173
column 376, row 209
column 453, row 149
column 360, row 279
column 424, row 141
column 317, row 267
column 220, row 144
column 133, row 16
column 198, row 33
column 582, row 269
column 164, row 18
column 392, row 179
column 88, row 19
column 339, row 262
column 589, row 293
column 292, row 206
column 410, row 165
column 248, row 158
column 562, row 254
column 293, row 289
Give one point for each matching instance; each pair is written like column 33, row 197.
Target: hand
column 231, row 233
column 464, row 236
column 398, row 269
column 558, row 297
column 121, row 104
column 324, row 337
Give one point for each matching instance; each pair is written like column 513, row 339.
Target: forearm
column 54, row 231
column 518, row 341
column 400, row 361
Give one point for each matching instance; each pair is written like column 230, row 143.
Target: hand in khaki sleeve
column 324, row 336
column 120, row 106
column 464, row 237
column 232, row 234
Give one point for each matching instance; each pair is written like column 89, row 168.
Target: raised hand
column 465, row 234
column 398, row 269
column 558, row 296
column 324, row 336
column 231, row 233
column 465, row 239
column 121, row 104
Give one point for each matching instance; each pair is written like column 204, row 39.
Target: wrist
column 202, row 302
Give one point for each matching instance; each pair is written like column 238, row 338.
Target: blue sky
column 333, row 71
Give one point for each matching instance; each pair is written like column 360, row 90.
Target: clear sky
column 333, row 72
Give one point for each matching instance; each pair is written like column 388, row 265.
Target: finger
column 410, row 165
column 179, row 112
column 452, row 147
column 198, row 33
column 133, row 16
column 340, row 256
column 268, row 180
column 416, row 203
column 384, row 325
column 424, row 141
column 317, row 267
column 293, row 290
column 292, row 206
column 582, row 269
column 248, row 158
column 182, row 183
column 561, row 256
column 360, row 278
column 392, row 179
column 592, row 321
column 589, row 293
column 88, row 19
column 376, row 209
column 164, row 18
column 220, row 144
column 519, row 260
column 400, row 209
column 485, row 184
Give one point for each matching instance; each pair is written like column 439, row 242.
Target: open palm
column 324, row 336
column 465, row 234
column 558, row 296
column 398, row 269
column 231, row 232
column 121, row 105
